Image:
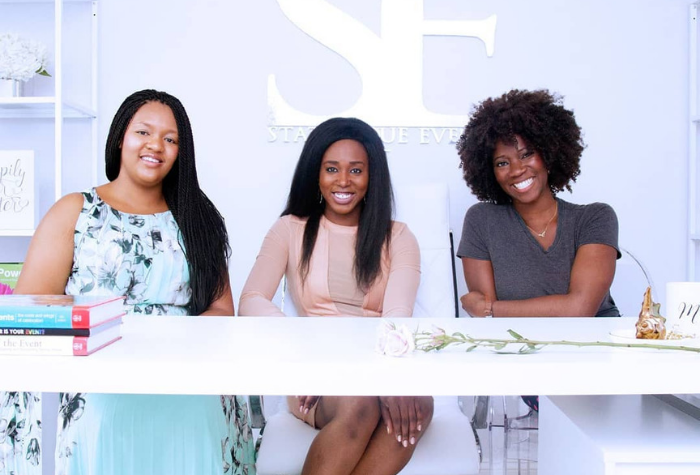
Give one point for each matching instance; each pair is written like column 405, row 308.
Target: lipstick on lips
column 342, row 197
column 151, row 159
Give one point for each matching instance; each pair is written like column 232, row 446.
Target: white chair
column 449, row 445
column 515, row 425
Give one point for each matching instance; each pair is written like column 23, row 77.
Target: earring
column 320, row 201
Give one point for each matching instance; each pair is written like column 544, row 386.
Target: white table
column 276, row 356
column 616, row 435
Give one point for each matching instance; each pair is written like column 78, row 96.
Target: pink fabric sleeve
column 264, row 278
column 404, row 274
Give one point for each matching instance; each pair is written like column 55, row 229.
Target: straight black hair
column 374, row 229
column 201, row 225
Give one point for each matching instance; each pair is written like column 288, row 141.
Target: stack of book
column 58, row 324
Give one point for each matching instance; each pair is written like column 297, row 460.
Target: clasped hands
column 477, row 304
column 402, row 415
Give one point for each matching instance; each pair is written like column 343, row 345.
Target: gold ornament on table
column 651, row 325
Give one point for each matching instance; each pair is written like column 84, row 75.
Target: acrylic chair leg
column 496, row 435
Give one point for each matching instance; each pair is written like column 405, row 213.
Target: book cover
column 58, row 345
column 12, row 331
column 9, row 273
column 57, row 311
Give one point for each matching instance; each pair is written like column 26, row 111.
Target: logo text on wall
column 390, row 68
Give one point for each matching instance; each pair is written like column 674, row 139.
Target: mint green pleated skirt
column 110, row 434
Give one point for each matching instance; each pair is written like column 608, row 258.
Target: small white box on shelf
column 17, row 197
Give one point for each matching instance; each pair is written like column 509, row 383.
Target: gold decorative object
column 651, row 325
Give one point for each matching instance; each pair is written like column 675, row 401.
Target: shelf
column 43, row 1
column 16, row 232
column 40, row 108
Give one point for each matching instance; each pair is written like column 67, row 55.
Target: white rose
column 395, row 340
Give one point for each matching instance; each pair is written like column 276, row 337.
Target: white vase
column 10, row 88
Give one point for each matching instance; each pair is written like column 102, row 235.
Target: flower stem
column 429, row 342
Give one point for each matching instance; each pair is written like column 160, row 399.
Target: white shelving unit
column 71, row 103
column 694, row 121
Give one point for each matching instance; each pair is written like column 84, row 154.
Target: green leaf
column 500, row 346
column 525, row 350
column 471, row 348
column 515, row 335
column 43, row 72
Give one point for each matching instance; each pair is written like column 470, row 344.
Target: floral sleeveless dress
column 20, row 433
column 141, row 257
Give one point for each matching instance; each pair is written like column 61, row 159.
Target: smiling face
column 150, row 145
column 343, row 181
column 520, row 171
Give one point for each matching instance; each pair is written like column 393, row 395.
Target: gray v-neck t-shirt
column 522, row 268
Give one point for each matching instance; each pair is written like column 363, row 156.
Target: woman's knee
column 359, row 415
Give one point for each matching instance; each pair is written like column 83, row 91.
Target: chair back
column 630, row 282
column 426, row 210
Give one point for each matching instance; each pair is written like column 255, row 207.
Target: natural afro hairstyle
column 541, row 121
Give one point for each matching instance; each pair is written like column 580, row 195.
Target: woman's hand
column 476, row 304
column 306, row 403
column 403, row 417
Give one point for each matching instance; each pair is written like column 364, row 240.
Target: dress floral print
column 142, row 258
column 20, row 433
column 115, row 253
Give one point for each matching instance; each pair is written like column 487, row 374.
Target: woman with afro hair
column 525, row 252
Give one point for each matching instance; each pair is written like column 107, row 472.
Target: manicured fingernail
column 306, row 411
column 420, row 427
column 388, row 431
column 398, row 437
column 301, row 409
column 413, row 441
column 405, row 443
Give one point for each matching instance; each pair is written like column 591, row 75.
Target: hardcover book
column 13, row 331
column 9, row 273
column 60, row 345
column 57, row 311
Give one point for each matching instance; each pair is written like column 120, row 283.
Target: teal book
column 57, row 311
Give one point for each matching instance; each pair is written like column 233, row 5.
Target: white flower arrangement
column 21, row 59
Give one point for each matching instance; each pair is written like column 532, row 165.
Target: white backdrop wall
column 622, row 66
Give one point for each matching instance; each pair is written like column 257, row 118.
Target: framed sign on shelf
column 17, row 195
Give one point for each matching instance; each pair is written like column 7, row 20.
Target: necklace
column 544, row 233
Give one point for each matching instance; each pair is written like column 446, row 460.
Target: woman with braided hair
column 153, row 236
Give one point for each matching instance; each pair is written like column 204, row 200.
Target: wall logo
column 389, row 66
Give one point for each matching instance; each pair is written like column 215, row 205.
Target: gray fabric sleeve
column 598, row 226
column 473, row 243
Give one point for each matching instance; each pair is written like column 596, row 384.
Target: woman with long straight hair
column 153, row 236
column 343, row 255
